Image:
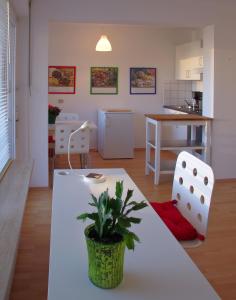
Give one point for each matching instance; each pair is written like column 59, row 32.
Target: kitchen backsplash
column 176, row 91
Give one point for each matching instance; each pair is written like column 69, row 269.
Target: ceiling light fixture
column 103, row 44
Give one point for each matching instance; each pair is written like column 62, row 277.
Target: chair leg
column 84, row 160
column 81, row 161
column 53, row 167
column 51, row 163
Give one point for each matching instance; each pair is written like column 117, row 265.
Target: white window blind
column 5, row 145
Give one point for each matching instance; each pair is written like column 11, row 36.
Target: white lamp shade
column 103, row 44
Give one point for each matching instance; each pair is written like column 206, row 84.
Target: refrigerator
column 115, row 133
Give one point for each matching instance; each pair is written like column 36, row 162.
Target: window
column 7, row 86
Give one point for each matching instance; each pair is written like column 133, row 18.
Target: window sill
column 13, row 194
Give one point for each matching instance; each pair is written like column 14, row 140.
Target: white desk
column 159, row 267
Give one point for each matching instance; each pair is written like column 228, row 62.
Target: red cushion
column 51, row 139
column 177, row 224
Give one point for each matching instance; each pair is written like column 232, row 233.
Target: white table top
column 159, row 268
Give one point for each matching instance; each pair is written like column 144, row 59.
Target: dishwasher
column 115, row 133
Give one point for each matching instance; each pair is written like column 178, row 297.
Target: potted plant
column 107, row 237
column 53, row 112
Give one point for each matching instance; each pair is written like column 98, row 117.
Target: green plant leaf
column 134, row 220
column 124, row 222
column 136, row 206
column 121, row 230
column 107, row 228
column 135, row 237
column 129, row 241
column 92, row 216
column 82, row 217
column 97, row 226
column 132, row 203
column 115, row 205
column 128, row 196
column 139, row 206
column 94, row 200
column 110, row 216
column 119, row 189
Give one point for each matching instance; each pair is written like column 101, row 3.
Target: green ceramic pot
column 105, row 261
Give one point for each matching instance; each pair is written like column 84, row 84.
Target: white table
column 159, row 268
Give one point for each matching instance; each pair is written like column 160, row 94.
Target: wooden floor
column 216, row 258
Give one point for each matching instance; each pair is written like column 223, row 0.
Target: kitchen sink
column 185, row 108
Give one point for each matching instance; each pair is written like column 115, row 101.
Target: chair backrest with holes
column 79, row 142
column 192, row 188
column 67, row 117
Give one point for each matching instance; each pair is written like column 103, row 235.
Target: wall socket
column 60, row 101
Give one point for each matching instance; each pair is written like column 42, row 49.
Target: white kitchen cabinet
column 189, row 61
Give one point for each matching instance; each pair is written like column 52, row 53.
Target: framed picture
column 61, row 80
column 142, row 80
column 104, row 80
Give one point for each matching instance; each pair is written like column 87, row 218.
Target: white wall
column 199, row 13
column 208, row 82
column 73, row 44
column 224, row 124
column 38, row 101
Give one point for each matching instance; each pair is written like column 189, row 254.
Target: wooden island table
column 157, row 142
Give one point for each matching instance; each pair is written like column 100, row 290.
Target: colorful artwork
column 61, row 80
column 104, row 80
column 142, row 80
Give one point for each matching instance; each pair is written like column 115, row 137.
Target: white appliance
column 115, row 133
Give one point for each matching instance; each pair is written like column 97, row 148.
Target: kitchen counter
column 155, row 139
column 177, row 117
column 183, row 108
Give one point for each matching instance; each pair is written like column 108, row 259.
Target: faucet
column 189, row 105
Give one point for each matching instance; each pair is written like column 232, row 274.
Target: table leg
column 148, row 149
column 157, row 152
column 206, row 138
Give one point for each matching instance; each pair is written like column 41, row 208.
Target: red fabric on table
column 51, row 139
column 177, row 224
column 51, row 150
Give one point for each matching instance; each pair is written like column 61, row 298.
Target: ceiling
column 173, row 13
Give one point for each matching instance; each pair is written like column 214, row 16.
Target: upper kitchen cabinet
column 189, row 61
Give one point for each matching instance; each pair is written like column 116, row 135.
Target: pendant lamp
column 103, row 44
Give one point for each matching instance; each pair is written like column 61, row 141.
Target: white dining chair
column 192, row 189
column 78, row 143
column 67, row 117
